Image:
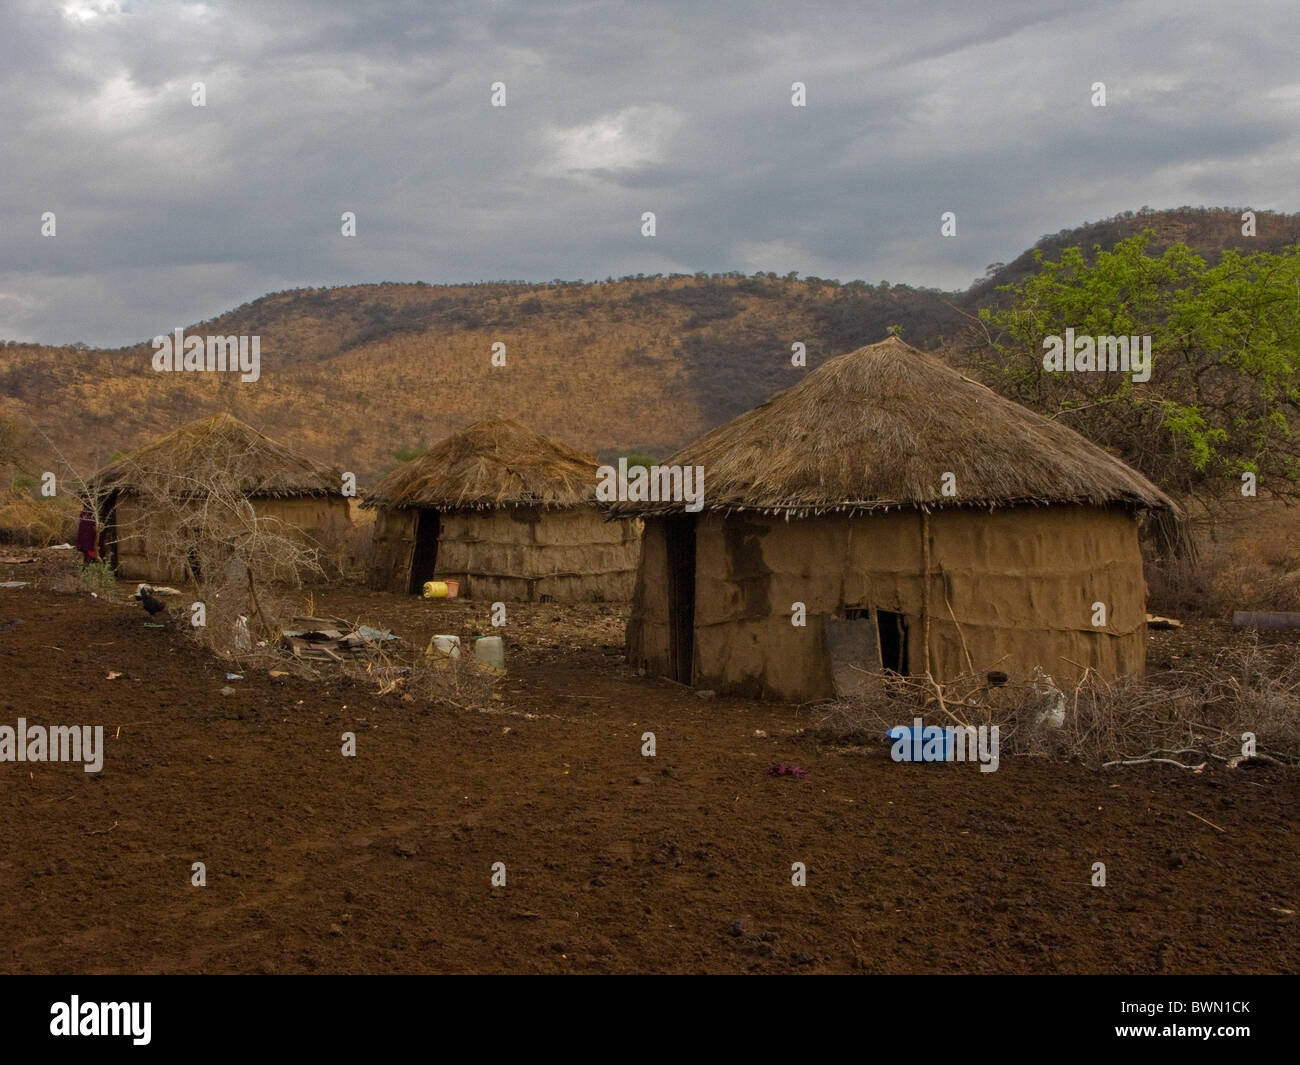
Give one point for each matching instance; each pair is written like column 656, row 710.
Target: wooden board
column 852, row 648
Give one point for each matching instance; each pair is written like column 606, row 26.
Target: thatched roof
column 493, row 463
column 217, row 450
column 878, row 428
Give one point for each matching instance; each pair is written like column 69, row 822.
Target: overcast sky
column 167, row 213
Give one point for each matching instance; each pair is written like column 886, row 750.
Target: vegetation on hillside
column 351, row 375
column 1223, row 397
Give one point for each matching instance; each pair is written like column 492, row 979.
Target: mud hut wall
column 522, row 554
column 393, row 548
column 319, row 522
column 1023, row 584
column 1013, row 589
column 147, row 533
column 752, row 570
column 648, row 637
column 321, row 519
column 144, row 538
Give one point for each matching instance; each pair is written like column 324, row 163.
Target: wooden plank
column 852, row 647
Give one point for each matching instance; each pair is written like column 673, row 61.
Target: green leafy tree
column 1224, row 393
column 639, row 458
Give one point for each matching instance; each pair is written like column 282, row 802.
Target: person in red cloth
column 88, row 536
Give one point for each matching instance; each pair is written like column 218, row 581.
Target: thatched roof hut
column 140, row 492
column 506, row 512
column 923, row 522
column 866, row 432
column 220, row 446
column 494, row 463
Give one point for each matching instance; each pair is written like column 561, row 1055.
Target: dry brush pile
column 1189, row 717
column 247, row 569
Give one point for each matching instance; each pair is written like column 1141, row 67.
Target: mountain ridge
column 351, row 374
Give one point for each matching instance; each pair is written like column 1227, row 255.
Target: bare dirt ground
column 615, row 862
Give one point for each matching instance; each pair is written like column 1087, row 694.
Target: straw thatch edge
column 492, row 464
column 885, row 380
column 287, row 473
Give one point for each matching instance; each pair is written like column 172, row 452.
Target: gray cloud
column 169, row 213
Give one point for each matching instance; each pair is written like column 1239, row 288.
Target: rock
column 706, row 694
column 227, row 690
column 405, row 850
column 641, row 780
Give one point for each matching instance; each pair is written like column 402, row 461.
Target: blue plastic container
column 916, row 742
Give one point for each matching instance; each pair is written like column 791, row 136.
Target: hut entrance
column 680, row 542
column 424, row 556
column 862, row 642
column 891, row 630
column 108, row 533
column 851, row 646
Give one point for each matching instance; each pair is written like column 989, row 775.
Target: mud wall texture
column 147, row 543
column 516, row 554
column 1008, row 590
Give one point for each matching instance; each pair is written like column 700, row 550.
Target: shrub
column 97, row 576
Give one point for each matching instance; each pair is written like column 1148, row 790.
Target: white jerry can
column 491, row 652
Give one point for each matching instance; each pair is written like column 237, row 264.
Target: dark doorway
column 108, row 533
column 891, row 629
column 192, row 563
column 679, row 535
column 424, row 557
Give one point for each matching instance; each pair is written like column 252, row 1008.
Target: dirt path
column 614, row 862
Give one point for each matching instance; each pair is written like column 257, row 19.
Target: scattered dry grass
column 1248, row 559
column 461, row 682
column 37, row 522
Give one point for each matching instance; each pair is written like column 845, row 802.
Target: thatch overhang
column 219, row 449
column 491, row 464
column 878, row 429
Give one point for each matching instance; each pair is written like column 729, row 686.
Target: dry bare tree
column 200, row 519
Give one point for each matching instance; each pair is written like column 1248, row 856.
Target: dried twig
column 1200, row 818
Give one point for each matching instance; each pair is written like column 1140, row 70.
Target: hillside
column 352, row 374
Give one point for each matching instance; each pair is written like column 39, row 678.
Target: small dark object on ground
column 785, row 769
column 154, row 606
